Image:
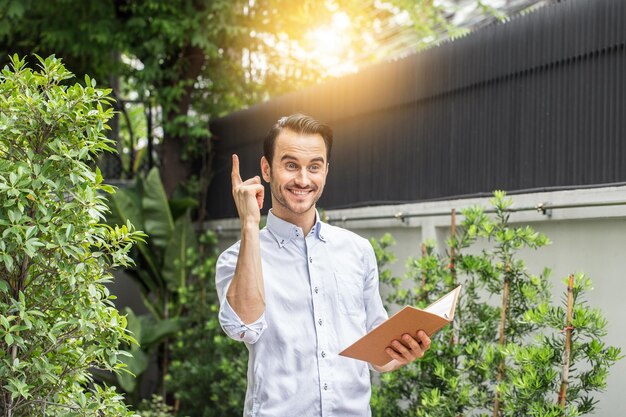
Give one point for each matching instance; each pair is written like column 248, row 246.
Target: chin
column 300, row 209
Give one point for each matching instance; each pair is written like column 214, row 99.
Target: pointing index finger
column 235, row 176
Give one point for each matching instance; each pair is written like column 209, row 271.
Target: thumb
column 259, row 197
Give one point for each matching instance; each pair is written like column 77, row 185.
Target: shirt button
column 320, row 321
column 325, row 386
column 310, row 259
column 316, row 290
column 323, row 354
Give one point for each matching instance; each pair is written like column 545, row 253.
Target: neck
column 304, row 221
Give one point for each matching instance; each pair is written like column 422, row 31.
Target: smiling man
column 299, row 291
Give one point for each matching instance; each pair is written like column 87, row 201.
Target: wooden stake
column 568, row 342
column 452, row 249
column 423, row 273
column 503, row 312
column 453, row 337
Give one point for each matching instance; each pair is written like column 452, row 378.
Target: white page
column 444, row 306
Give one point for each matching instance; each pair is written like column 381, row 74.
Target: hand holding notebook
column 409, row 320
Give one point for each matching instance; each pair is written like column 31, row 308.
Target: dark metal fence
column 535, row 102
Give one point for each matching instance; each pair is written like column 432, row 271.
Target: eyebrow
column 292, row 158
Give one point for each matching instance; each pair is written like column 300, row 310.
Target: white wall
column 590, row 239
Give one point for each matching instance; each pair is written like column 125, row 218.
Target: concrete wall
column 589, row 238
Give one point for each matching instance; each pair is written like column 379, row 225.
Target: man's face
column 297, row 175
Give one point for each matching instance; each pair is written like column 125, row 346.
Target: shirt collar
column 283, row 231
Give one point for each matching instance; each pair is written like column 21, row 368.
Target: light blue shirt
column 321, row 295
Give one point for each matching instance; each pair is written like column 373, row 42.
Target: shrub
column 510, row 357
column 56, row 315
column 200, row 370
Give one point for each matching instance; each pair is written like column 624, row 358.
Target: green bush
column 504, row 353
column 199, row 369
column 155, row 408
column 208, row 370
column 56, row 316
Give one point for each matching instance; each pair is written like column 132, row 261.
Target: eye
column 290, row 165
column 314, row 168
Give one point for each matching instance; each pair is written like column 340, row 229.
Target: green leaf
column 125, row 205
column 175, row 259
column 136, row 364
column 155, row 332
column 158, row 221
column 134, row 324
column 8, row 261
column 179, row 206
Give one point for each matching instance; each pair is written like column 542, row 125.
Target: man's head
column 296, row 164
column 297, row 123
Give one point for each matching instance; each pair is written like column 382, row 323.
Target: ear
column 265, row 169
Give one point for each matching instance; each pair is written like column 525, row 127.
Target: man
column 300, row 290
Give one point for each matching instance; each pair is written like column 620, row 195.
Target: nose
column 302, row 178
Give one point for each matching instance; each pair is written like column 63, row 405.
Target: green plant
column 175, row 270
column 156, row 407
column 56, row 316
column 208, row 370
column 502, row 356
column 161, row 270
column 568, row 358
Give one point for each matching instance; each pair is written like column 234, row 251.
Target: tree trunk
column 175, row 171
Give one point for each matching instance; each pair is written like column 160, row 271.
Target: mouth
column 299, row 192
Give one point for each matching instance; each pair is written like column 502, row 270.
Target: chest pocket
column 349, row 293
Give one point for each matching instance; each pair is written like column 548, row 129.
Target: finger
column 247, row 190
column 424, row 340
column 235, row 176
column 251, row 181
column 395, row 355
column 400, row 348
column 260, row 195
column 413, row 344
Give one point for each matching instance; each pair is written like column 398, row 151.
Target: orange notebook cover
column 371, row 347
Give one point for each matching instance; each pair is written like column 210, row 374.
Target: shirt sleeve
column 374, row 308
column 231, row 323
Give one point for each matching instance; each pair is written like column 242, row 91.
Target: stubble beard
column 279, row 196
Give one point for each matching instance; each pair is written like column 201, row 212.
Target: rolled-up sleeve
column 231, row 323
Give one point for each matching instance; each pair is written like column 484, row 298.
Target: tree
column 57, row 319
column 194, row 60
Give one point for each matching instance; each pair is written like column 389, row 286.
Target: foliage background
column 193, row 60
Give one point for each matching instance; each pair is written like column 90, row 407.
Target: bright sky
column 330, row 45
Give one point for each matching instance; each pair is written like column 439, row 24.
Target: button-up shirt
column 321, row 295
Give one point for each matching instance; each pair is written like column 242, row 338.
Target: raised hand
column 246, row 293
column 248, row 195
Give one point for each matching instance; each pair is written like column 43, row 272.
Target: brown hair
column 297, row 123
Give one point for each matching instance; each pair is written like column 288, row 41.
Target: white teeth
column 299, row 192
